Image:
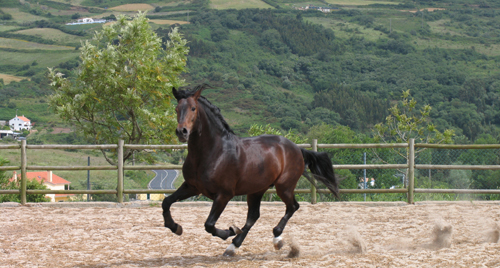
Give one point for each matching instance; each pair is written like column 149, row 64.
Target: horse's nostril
column 184, row 131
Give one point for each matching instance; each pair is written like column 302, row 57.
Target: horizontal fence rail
column 410, row 166
column 380, row 166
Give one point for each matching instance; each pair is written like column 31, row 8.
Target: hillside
column 284, row 68
column 292, row 69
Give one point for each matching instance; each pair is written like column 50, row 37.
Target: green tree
column 406, row 122
column 123, row 85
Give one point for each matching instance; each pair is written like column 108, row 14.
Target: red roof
column 43, row 176
column 23, row 118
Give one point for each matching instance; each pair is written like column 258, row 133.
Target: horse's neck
column 206, row 138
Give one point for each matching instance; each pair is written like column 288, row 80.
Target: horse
column 221, row 165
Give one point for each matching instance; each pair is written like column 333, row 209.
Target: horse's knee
column 165, row 205
column 210, row 228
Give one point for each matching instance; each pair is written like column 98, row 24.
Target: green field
column 22, row 44
column 490, row 50
column 8, row 28
column 359, row 2
column 240, row 4
column 85, row 27
column 345, row 29
column 19, row 16
column 49, row 58
column 37, row 108
column 71, row 2
column 440, row 27
column 57, row 12
column 399, row 23
column 51, row 34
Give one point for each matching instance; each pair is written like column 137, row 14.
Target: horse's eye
column 193, row 109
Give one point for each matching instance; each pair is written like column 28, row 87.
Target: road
column 164, row 179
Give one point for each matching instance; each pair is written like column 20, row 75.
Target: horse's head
column 187, row 112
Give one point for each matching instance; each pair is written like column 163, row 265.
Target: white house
column 20, row 123
column 86, row 20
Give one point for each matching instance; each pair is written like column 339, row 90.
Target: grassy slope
column 359, row 2
column 36, row 109
column 44, row 58
column 344, row 29
column 22, row 44
column 227, row 4
column 20, row 16
column 51, row 34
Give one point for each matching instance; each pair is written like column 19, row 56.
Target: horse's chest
column 209, row 177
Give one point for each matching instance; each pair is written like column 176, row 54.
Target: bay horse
column 220, row 165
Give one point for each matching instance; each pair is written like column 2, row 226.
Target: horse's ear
column 176, row 93
column 197, row 94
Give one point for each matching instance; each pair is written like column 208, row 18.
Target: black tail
column 321, row 166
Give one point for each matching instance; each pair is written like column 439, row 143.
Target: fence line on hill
column 410, row 166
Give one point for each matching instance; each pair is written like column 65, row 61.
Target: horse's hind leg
column 185, row 191
column 292, row 205
column 253, row 202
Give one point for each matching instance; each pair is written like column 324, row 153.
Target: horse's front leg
column 218, row 206
column 185, row 191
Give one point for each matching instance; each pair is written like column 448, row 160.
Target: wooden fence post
column 313, row 189
column 24, row 164
column 411, row 170
column 119, row 163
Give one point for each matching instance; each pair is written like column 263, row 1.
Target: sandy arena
column 463, row 234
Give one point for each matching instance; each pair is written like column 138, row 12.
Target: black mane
column 212, row 111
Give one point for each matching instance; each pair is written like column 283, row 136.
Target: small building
column 8, row 133
column 86, row 21
column 20, row 123
column 52, row 181
column 322, row 9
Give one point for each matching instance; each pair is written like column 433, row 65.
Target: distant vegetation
column 296, row 69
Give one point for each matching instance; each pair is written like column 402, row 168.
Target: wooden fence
column 120, row 167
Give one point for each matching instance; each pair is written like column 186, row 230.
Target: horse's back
column 274, row 143
column 266, row 158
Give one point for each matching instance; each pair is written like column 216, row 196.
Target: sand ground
column 327, row 234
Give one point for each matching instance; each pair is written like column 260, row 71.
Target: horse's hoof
column 230, row 251
column 179, row 230
column 278, row 243
column 235, row 230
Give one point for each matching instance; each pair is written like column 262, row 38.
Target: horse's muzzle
column 182, row 134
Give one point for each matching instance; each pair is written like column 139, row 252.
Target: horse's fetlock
column 277, row 231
